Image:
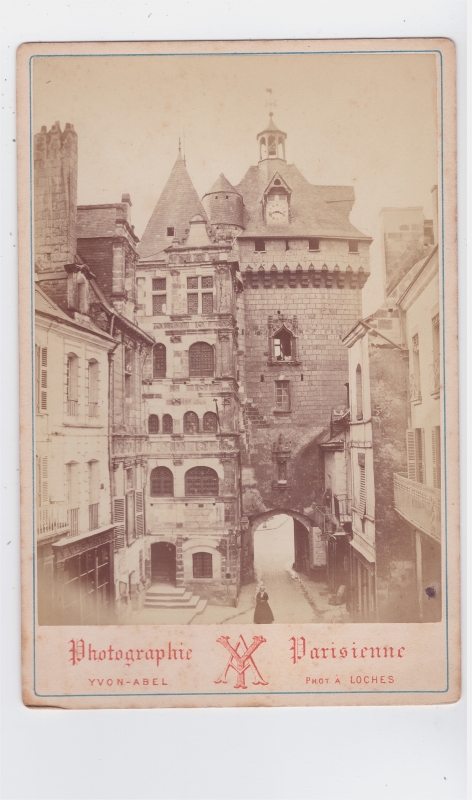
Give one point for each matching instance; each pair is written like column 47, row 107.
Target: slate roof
column 44, row 305
column 99, row 221
column 314, row 210
column 178, row 203
column 222, row 184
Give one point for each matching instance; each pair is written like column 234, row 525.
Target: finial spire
column 180, row 149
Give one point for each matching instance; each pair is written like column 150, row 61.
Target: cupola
column 271, row 141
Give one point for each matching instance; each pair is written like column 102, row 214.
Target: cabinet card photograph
column 239, row 397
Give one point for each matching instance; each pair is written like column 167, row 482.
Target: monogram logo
column 241, row 662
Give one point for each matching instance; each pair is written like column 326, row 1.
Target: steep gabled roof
column 45, row 306
column 314, row 210
column 178, row 203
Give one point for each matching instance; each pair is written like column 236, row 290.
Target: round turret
column 224, row 205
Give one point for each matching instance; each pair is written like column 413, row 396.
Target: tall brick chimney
column 402, row 242
column 55, row 198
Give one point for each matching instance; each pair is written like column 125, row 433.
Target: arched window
column 272, row 146
column 159, row 360
column 72, row 384
column 93, row 388
column 202, row 565
column 359, row 406
column 201, row 481
column 162, row 482
column 153, row 423
column 167, row 424
column 263, row 148
column 284, row 345
column 201, row 361
column 190, row 422
column 210, row 422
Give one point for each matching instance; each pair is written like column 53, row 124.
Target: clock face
column 278, row 211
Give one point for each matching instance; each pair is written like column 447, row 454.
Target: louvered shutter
column 43, row 402
column 411, row 454
column 44, row 478
column 420, row 461
column 139, row 500
column 119, row 521
column 435, row 458
column 362, row 494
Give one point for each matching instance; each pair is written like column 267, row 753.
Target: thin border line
column 236, row 53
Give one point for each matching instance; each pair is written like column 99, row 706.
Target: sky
column 368, row 121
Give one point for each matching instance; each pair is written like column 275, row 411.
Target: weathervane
column 271, row 103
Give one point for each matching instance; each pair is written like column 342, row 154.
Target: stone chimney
column 403, row 240
column 55, row 198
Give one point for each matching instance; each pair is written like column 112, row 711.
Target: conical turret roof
column 178, row 203
column 271, row 127
column 222, row 184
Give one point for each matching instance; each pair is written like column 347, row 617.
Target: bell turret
column 224, row 206
column 271, row 141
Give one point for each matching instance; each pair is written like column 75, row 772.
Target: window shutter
column 44, row 379
column 411, row 454
column 435, row 458
column 421, row 477
column 139, row 500
column 362, row 494
column 44, row 478
column 119, row 521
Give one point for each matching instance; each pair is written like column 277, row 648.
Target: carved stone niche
column 282, row 446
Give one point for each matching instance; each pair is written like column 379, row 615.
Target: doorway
column 163, row 563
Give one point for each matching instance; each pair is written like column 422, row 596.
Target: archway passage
column 280, row 552
column 163, row 563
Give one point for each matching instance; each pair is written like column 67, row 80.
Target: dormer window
column 170, row 232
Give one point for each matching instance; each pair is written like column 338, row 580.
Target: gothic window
column 284, row 346
column 201, row 360
column 162, row 482
column 167, row 424
column 153, row 423
column 159, row 361
column 202, row 565
column 201, row 481
column 190, row 422
column 282, row 395
column 359, row 403
column 210, row 422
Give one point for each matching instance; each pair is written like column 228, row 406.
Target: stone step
column 177, row 601
column 167, row 591
column 191, row 602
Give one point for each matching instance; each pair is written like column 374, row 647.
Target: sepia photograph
column 237, row 340
column 242, row 319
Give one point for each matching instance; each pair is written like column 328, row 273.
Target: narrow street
column 293, row 597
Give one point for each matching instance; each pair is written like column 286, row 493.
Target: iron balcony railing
column 73, row 518
column 434, row 377
column 415, row 389
column 51, row 519
column 72, row 408
column 342, row 508
column 418, row 504
column 325, row 520
column 93, row 516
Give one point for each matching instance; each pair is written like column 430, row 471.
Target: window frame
column 282, row 408
column 205, row 568
column 166, row 474
column 155, row 419
column 202, row 473
column 159, row 373
column 201, row 372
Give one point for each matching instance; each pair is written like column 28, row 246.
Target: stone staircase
column 161, row 595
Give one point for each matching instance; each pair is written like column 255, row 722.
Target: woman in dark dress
column 263, row 612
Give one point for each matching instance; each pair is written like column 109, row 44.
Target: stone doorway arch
column 302, row 527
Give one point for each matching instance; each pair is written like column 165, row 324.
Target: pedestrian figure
column 263, row 612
